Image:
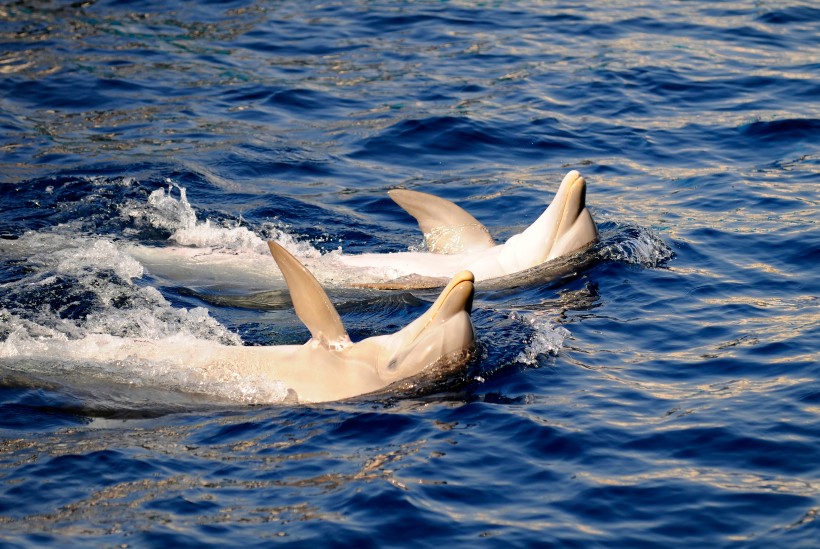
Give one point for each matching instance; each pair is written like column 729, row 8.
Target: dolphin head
column 564, row 227
column 421, row 354
column 434, row 345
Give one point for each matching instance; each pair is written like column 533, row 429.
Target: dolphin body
column 455, row 241
column 329, row 366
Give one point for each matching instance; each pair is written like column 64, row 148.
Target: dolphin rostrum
column 431, row 349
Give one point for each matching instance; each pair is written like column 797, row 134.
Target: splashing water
column 166, row 212
column 75, row 286
column 163, row 211
column 637, row 245
column 546, row 340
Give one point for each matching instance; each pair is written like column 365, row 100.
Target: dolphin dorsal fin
column 447, row 228
column 312, row 305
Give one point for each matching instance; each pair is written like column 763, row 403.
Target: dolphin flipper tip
column 463, row 276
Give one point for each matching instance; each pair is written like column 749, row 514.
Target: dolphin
column 455, row 242
column 329, row 367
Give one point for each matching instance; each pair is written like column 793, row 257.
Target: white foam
column 166, row 212
column 163, row 211
column 65, row 269
column 203, row 235
column 65, row 253
column 24, row 337
column 241, row 239
column 40, row 335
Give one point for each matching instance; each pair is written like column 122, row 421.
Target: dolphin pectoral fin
column 447, row 228
column 310, row 301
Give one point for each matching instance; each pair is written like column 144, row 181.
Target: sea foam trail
column 163, row 211
column 77, row 285
column 202, row 254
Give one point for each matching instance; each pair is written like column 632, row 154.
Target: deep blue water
column 666, row 396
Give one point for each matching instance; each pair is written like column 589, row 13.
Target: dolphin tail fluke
column 447, row 228
column 312, row 305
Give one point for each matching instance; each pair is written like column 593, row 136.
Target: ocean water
column 666, row 395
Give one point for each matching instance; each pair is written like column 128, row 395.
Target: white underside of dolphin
column 455, row 241
column 329, row 366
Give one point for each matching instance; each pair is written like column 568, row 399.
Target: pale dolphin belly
column 484, row 265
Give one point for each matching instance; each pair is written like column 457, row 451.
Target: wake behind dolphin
column 455, row 241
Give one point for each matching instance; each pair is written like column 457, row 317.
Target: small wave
column 793, row 129
column 637, row 245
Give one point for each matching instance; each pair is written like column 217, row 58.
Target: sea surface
column 665, row 396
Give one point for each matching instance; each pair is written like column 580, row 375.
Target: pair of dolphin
column 439, row 343
column 455, row 241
